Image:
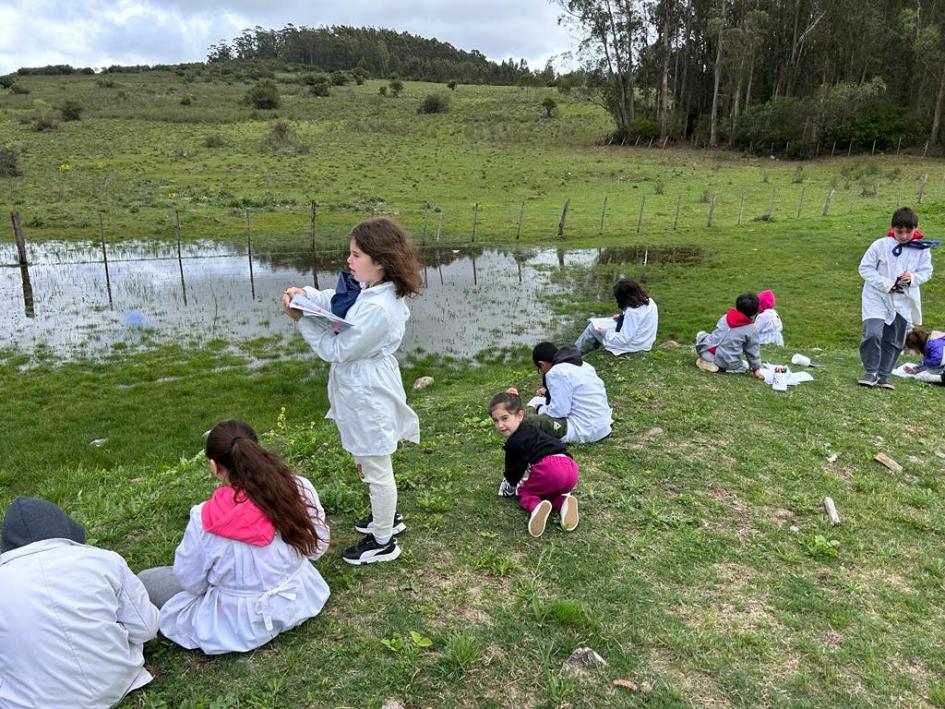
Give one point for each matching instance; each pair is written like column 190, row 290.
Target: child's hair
column 747, row 304
column 905, row 218
column 544, row 352
column 386, row 243
column 508, row 399
column 264, row 478
column 916, row 340
column 630, row 294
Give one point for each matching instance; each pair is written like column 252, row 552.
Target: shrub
column 7, row 81
column 18, row 89
column 9, row 165
column 340, row 78
column 434, row 103
column 282, row 138
column 186, row 100
column 549, row 104
column 360, row 74
column 214, row 140
column 382, row 91
column 43, row 123
column 320, row 85
column 106, row 83
column 451, row 85
column 396, row 86
column 70, row 110
column 265, row 94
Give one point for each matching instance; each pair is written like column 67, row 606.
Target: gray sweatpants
column 160, row 583
column 882, row 344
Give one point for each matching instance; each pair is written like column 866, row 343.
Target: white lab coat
column 638, row 332
column 238, row 596
column 578, row 395
column 73, row 620
column 365, row 390
column 880, row 268
column 769, row 327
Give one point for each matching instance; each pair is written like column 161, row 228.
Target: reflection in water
column 198, row 291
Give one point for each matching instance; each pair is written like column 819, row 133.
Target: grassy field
column 138, row 154
column 704, row 570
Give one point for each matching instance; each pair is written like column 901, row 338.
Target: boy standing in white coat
column 893, row 268
column 74, row 619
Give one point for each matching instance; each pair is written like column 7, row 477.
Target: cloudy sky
column 101, row 32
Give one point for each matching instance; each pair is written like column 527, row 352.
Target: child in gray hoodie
column 722, row 350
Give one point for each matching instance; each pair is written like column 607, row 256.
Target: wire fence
column 292, row 231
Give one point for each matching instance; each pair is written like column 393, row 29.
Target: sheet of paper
column 310, row 308
column 605, row 323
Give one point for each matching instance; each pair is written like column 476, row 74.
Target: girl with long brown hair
column 241, row 574
column 365, row 390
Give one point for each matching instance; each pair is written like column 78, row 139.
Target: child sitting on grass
column 552, row 473
column 768, row 322
column 931, row 345
column 632, row 330
column 722, row 350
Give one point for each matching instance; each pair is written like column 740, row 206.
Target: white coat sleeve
column 561, row 392
column 191, row 565
column 870, row 273
column 923, row 271
column 321, row 297
column 317, row 514
column 369, row 328
column 136, row 613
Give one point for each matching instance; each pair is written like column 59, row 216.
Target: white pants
column 378, row 473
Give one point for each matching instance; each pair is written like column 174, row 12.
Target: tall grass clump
column 264, row 95
column 70, row 110
column 9, row 163
column 283, row 138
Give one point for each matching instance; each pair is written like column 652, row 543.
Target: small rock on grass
column 670, row 344
column 98, row 442
column 653, row 432
column 940, row 454
column 832, row 458
column 422, row 382
column 644, row 686
column 884, row 459
column 794, row 529
column 582, row 658
column 393, row 704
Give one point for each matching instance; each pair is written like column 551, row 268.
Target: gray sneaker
column 884, row 383
column 870, row 379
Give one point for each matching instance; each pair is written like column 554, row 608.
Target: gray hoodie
column 736, row 337
column 29, row 519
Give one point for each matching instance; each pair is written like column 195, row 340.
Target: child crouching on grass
column 552, row 473
column 931, row 345
column 735, row 335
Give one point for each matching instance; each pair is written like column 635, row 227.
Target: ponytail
column 262, row 476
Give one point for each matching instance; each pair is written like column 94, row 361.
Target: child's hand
column 907, row 369
column 905, row 278
column 600, row 331
column 541, row 391
column 616, row 316
column 759, row 374
column 293, row 313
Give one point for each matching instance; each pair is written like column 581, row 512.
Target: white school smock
column 365, row 390
column 238, row 596
column 73, row 620
column 578, row 395
column 880, row 268
column 638, row 332
column 769, row 327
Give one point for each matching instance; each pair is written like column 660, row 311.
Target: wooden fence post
column 774, row 194
column 925, row 150
column 249, row 256
column 426, row 207
column 833, row 149
column 439, row 224
column 925, row 178
column 827, row 200
column 521, row 216
column 850, row 147
column 313, row 214
column 678, row 206
column 108, row 279
column 711, row 208
column 19, row 238
column 873, row 149
column 176, row 230
column 899, row 145
column 640, row 218
column 475, row 220
column 603, row 213
column 564, row 215
column 800, row 202
column 741, row 208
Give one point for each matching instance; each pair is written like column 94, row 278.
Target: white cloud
column 101, row 32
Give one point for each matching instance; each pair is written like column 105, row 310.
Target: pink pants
column 550, row 478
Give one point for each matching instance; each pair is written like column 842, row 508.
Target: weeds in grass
column 462, row 654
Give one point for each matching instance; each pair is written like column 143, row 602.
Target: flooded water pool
column 71, row 302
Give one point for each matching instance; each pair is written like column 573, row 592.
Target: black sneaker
column 364, row 525
column 368, row 551
column 884, row 383
column 870, row 379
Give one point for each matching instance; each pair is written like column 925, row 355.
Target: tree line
column 800, row 75
column 379, row 52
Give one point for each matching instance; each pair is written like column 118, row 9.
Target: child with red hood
column 722, row 349
column 767, row 322
column 242, row 573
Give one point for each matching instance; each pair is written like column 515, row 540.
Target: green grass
column 684, row 574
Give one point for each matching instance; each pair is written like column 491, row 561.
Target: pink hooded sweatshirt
column 233, row 515
column 765, row 301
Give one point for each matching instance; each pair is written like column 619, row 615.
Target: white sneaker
column 706, row 366
column 539, row 518
column 569, row 513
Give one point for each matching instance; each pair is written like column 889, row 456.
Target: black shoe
column 368, row 551
column 364, row 525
